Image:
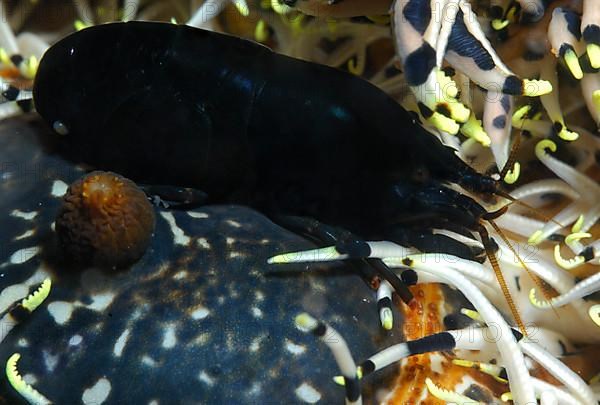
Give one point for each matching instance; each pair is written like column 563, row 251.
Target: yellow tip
column 284, row 258
column 261, row 32
column 29, row 67
column 576, row 236
column 16, row 381
column 507, row 396
column 473, row 129
column 305, row 321
column 596, row 101
column 520, row 114
column 463, row 363
column 499, row 24
column 444, row 123
column 38, row 296
column 567, row 135
column 593, row 52
column 540, row 148
column 459, row 112
column 567, row 264
column 537, row 303
column 280, row 8
column 536, row 237
column 339, row 380
column 513, row 175
column 354, row 68
column 474, row 315
column 594, row 313
column 534, row 88
column 448, row 87
column 242, row 7
column 572, row 62
column 4, row 58
column 387, row 318
column 446, row 395
column 79, row 25
column 578, row 224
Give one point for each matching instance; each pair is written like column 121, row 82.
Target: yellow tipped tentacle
column 29, row 393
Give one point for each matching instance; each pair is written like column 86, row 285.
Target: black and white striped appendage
column 24, row 308
column 23, row 99
column 384, row 305
column 564, row 34
column 340, row 350
column 467, row 339
column 590, row 30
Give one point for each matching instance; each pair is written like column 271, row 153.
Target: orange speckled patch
column 427, row 319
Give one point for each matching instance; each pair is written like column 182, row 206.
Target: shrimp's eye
column 60, row 128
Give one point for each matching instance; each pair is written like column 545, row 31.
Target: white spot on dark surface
column 259, row 295
column 169, row 338
column 233, row 223
column 200, row 313
column 59, row 188
column 101, row 301
column 75, row 340
column 255, row 344
column 229, row 241
column 23, row 342
column 255, row 389
column 28, row 216
column 148, row 361
column 180, row 275
column 61, row 311
column 97, row 393
column 59, row 127
column 12, row 294
column 294, row 348
column 120, row 343
column 203, row 243
column 205, row 378
column 202, row 339
column 197, row 215
column 256, row 312
column 25, row 235
column 50, row 361
column 23, row 255
column 179, row 237
column 307, row 393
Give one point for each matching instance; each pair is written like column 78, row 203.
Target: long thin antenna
column 531, row 209
column 541, row 286
column 489, row 250
column 512, row 156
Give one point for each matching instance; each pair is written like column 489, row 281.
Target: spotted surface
column 201, row 317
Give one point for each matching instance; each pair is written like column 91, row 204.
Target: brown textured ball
column 105, row 220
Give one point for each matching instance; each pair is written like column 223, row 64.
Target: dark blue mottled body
column 232, row 319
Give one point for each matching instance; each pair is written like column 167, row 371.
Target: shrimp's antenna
column 489, row 250
column 536, row 212
column 538, row 283
column 512, row 157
